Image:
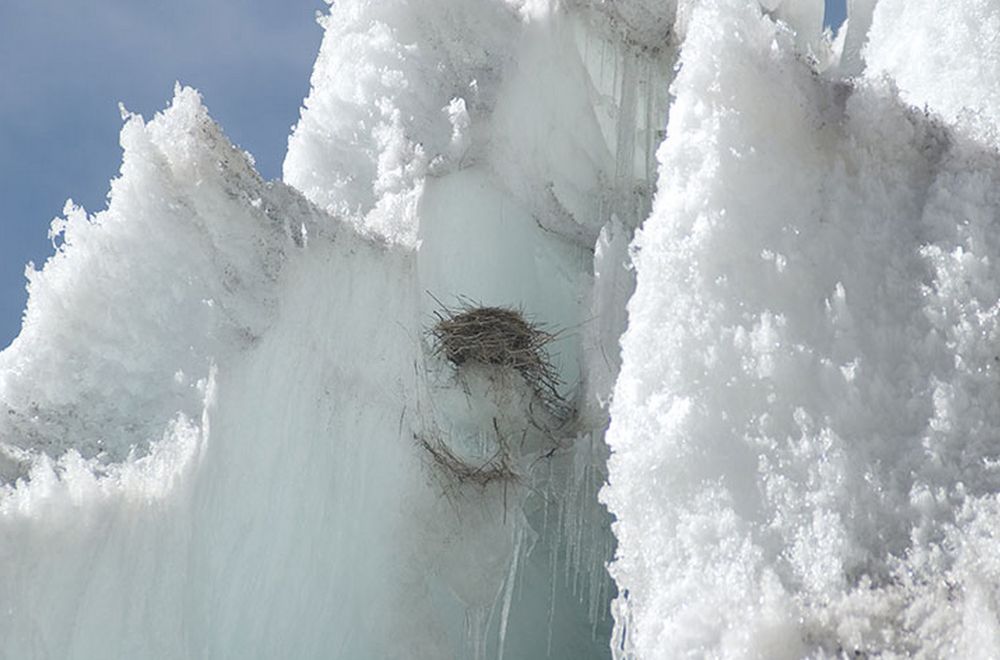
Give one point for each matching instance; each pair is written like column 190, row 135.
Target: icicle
column 545, row 503
column 509, row 590
column 475, row 631
column 604, row 57
column 525, row 554
column 650, row 128
column 625, row 139
column 552, row 602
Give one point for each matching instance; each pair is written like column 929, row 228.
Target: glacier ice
column 214, row 423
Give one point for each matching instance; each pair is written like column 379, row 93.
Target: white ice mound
column 257, row 352
column 804, row 434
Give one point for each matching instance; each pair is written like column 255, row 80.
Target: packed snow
column 762, row 256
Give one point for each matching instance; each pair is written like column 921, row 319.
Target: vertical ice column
column 859, row 21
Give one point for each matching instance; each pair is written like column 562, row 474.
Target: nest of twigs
column 499, row 337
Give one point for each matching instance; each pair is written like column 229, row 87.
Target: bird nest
column 499, row 337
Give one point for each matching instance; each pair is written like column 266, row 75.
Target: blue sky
column 64, row 66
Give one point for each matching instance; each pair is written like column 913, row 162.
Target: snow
column 855, row 31
column 378, row 117
column 112, row 291
column 802, row 436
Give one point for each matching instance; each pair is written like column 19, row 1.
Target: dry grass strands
column 496, row 469
column 500, row 337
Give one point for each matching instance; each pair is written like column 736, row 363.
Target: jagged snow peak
column 529, row 93
column 112, row 305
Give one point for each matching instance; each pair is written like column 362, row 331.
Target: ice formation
column 222, row 425
column 804, row 434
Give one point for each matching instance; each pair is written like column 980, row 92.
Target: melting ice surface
column 213, row 425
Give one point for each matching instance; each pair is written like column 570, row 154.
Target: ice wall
column 502, row 155
column 804, row 431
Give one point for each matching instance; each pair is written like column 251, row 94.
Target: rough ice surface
column 804, row 432
column 222, row 425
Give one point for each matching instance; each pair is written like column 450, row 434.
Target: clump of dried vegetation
column 499, row 337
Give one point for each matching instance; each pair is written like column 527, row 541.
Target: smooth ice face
column 803, row 433
column 520, row 142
